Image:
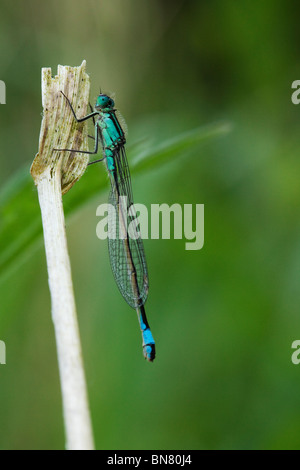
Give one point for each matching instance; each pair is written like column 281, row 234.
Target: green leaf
column 20, row 223
column 177, row 146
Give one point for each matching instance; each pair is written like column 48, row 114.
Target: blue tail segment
column 148, row 341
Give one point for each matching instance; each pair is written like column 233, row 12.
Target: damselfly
column 127, row 257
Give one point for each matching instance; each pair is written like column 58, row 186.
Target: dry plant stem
column 75, row 402
column 54, row 173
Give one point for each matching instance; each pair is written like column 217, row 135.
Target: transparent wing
column 126, row 252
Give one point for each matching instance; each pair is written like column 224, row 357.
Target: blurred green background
column 224, row 317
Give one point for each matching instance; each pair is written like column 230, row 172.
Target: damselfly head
column 104, row 102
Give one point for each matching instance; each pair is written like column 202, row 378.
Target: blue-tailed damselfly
column 126, row 253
